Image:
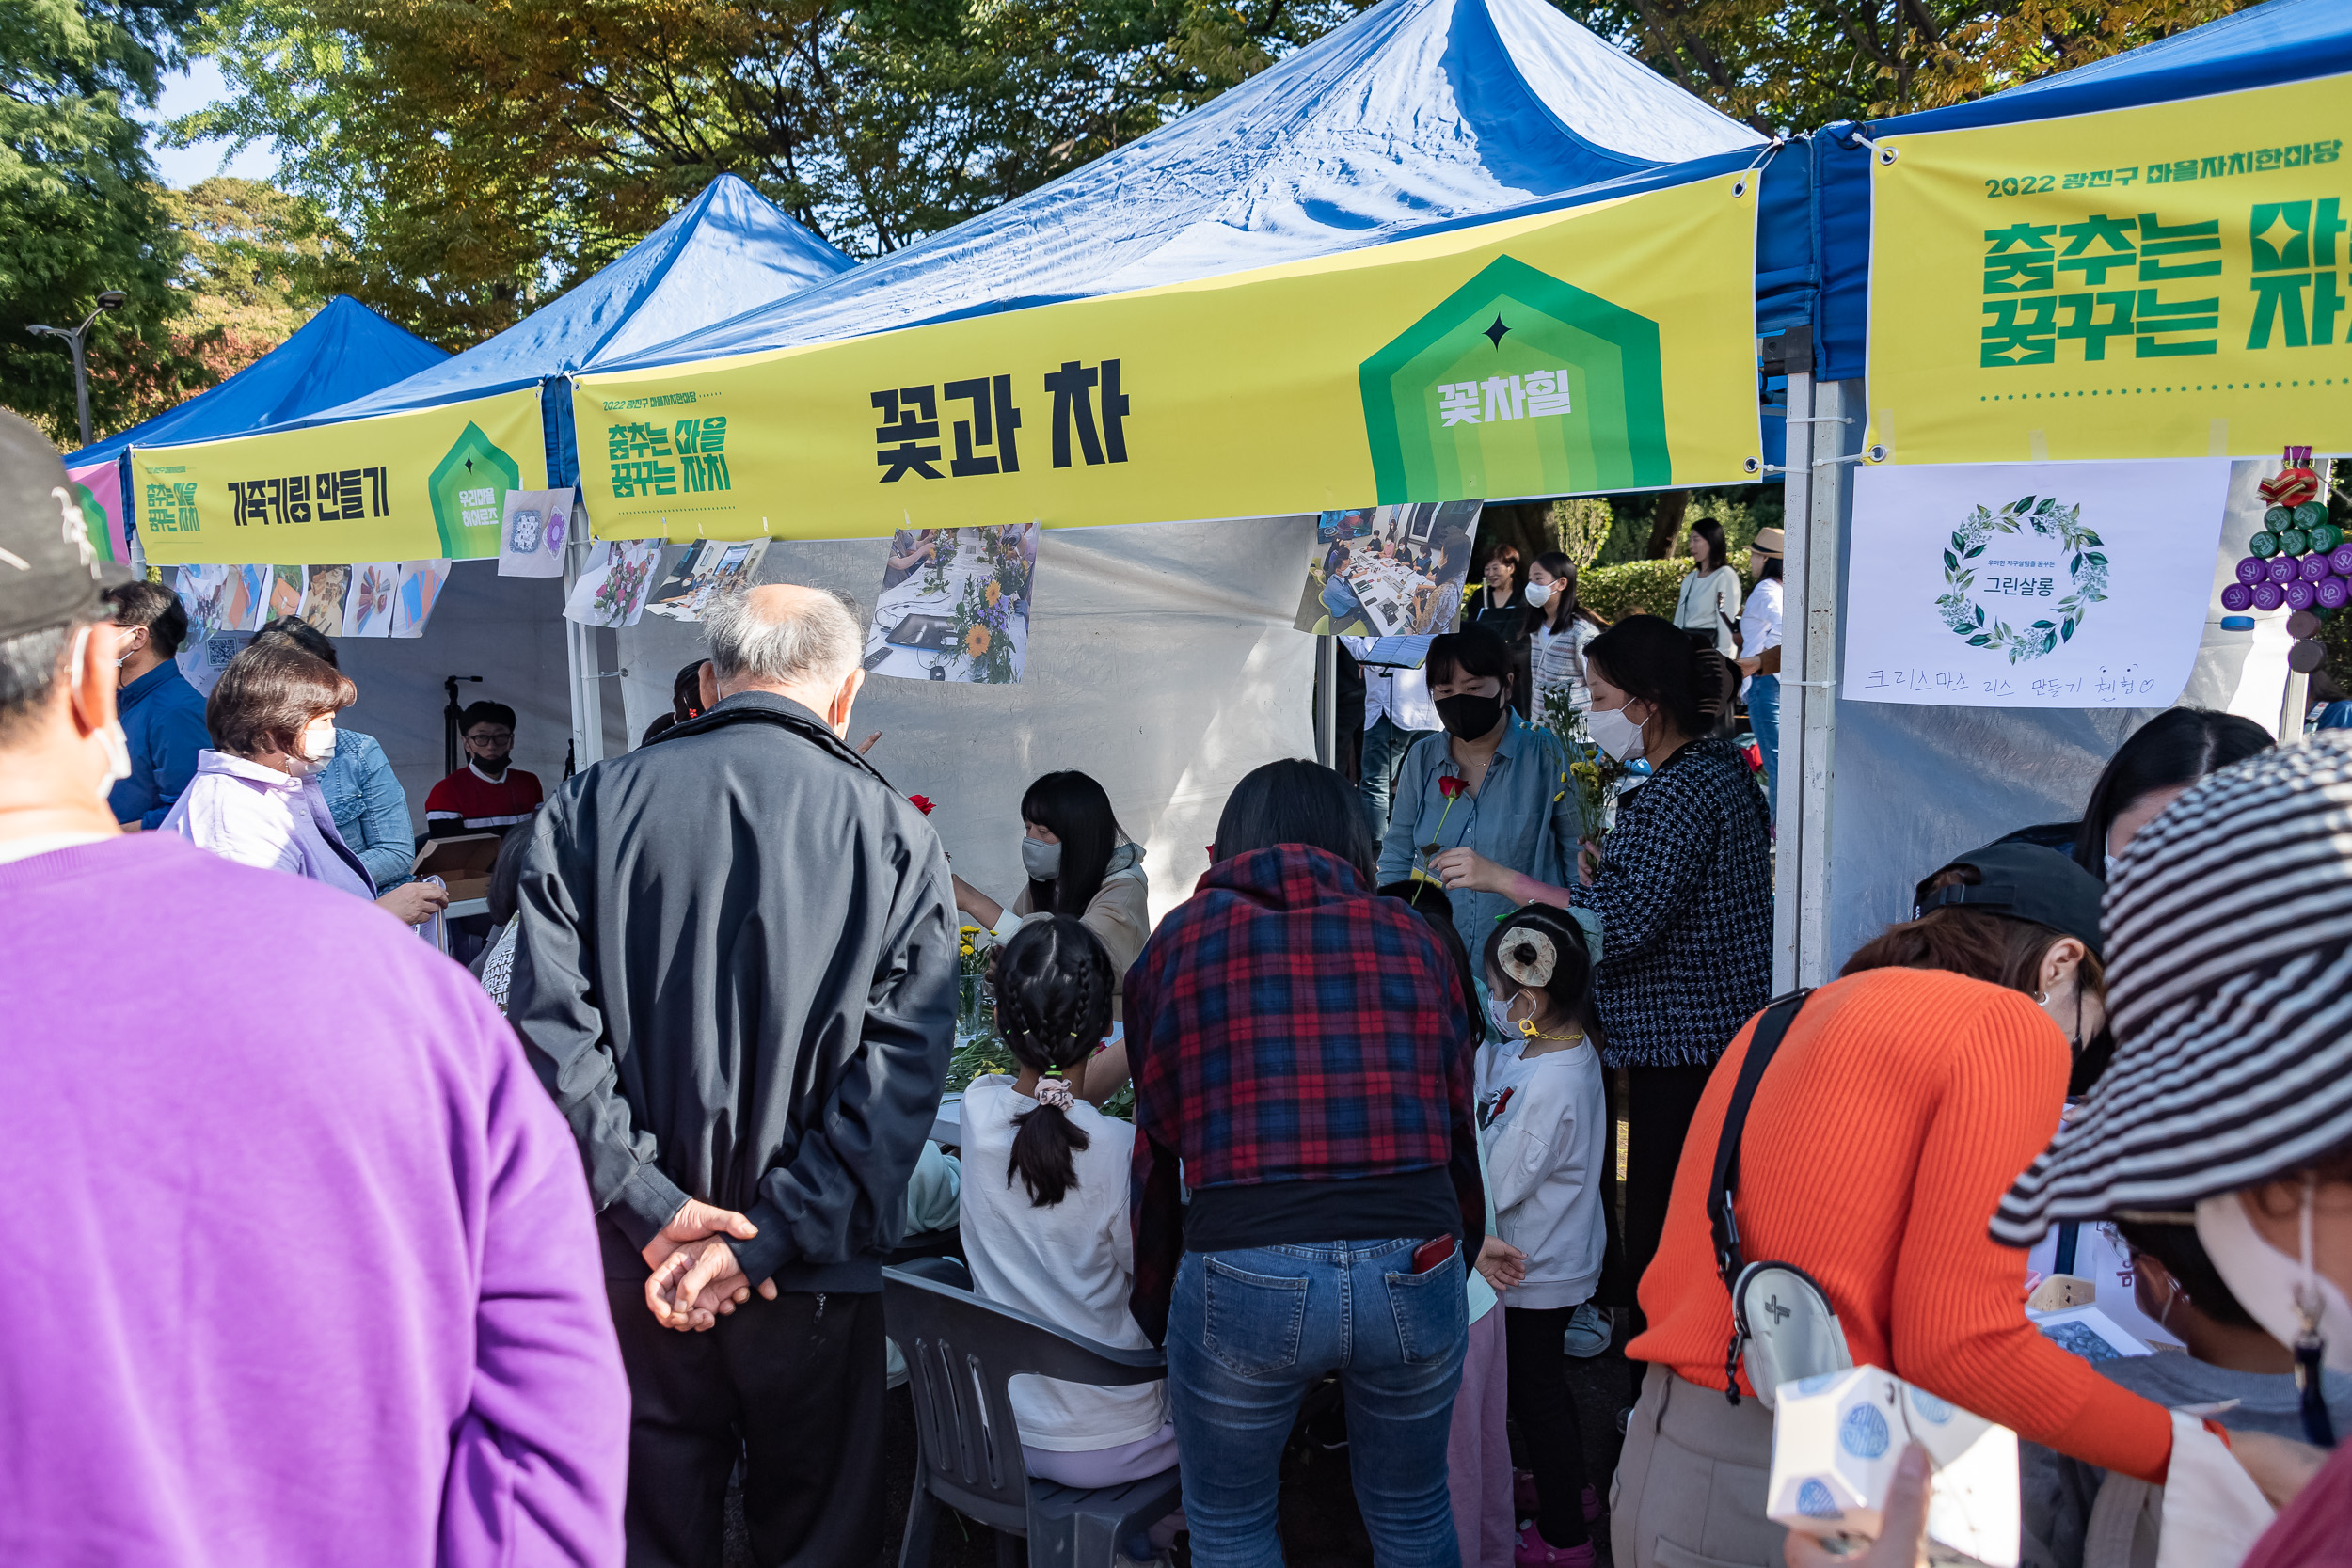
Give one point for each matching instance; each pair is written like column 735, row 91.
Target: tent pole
column 1787, row 764
column 1328, row 700
column 579, row 654
column 1832, row 438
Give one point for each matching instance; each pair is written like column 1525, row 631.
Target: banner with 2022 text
column 397, row 488
column 1609, row 347
column 2168, row 281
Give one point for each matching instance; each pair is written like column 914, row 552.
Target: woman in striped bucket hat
column 2229, row 1104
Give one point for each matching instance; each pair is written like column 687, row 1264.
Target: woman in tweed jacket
column 1684, row 885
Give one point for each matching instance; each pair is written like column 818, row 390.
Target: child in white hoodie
column 1544, row 1129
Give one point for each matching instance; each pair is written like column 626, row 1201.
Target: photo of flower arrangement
column 954, row 605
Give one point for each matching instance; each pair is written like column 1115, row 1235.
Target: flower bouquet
column 983, row 628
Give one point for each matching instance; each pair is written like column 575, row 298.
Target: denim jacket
column 1526, row 817
column 370, row 810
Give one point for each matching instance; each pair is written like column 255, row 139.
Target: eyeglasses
column 490, row 737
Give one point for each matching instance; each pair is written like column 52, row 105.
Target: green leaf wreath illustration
column 2047, row 522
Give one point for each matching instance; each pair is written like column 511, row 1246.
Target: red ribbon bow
column 921, row 804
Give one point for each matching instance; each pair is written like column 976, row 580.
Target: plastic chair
column 962, row 1352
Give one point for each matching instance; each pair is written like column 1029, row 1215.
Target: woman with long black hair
column 1563, row 628
column 1080, row 862
column 2153, row 769
column 1707, row 605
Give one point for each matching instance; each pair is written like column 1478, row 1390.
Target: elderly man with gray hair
column 736, row 972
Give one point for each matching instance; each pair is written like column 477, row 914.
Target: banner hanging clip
column 1739, row 186
column 1885, row 154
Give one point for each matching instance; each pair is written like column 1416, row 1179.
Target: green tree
column 484, row 154
column 1797, row 65
column 79, row 208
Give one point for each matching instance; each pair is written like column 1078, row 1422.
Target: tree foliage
column 1797, row 65
column 79, row 208
column 486, row 154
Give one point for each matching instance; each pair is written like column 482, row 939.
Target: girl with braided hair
column 1543, row 1124
column 1045, row 1223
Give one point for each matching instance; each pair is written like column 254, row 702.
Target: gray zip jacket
column 736, row 973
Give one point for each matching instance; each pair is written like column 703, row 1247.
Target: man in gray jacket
column 736, row 973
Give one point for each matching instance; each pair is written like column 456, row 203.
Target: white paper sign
column 2031, row 585
column 532, row 532
column 612, row 590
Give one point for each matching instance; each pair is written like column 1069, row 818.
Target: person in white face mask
column 2229, row 1102
column 1077, row 860
column 255, row 799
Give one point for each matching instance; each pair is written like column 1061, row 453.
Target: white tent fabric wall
column 1917, row 785
column 507, row 630
column 1162, row 662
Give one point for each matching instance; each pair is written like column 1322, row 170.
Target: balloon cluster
column 2299, row 560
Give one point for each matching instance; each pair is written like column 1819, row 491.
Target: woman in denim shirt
column 370, row 808
column 1492, row 791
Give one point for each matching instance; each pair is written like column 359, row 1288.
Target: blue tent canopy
column 343, row 352
column 1416, row 115
column 2286, row 41
column 727, row 250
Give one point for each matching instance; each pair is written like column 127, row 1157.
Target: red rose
column 921, row 804
column 1450, row 788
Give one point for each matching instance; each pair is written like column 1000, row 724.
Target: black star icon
column 1494, row 334
column 470, row 461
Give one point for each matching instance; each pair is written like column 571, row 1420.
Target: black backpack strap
column 1770, row 1025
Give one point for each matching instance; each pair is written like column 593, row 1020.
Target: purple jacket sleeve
column 539, row 1461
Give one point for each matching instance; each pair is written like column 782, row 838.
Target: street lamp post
column 112, row 299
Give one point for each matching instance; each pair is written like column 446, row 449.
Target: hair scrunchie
column 1056, row 1093
column 1529, row 957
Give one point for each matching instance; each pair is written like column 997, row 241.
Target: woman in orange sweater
column 1905, row 1098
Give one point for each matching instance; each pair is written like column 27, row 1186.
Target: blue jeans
column 1251, row 1331
column 1764, row 717
column 1385, row 746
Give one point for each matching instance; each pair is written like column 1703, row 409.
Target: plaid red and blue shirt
column 1287, row 1024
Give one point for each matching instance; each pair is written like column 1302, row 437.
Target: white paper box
column 1835, row 1442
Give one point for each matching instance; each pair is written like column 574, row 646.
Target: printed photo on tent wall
column 203, row 593
column 417, row 588
column 611, row 591
column 531, row 533
column 2031, row 585
column 285, row 591
column 246, row 604
column 367, row 608
column 954, row 605
column 202, row 667
column 709, row 566
column 323, row 598
column 1388, row 571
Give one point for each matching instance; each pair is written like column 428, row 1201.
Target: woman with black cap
column 1898, row 1105
column 2228, row 1109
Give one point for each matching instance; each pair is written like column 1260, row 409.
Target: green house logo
column 1518, row 384
column 468, row 490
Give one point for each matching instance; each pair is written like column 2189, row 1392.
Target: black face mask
column 1468, row 716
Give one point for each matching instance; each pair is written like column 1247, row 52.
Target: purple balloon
column 2334, row 593
column 2237, row 596
column 2300, row 595
column 2311, row 567
column 2341, row 558
column 2253, row 569
column 2283, row 569
column 2269, row 596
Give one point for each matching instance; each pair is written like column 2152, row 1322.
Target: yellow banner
column 400, row 487
column 2157, row 282
column 1610, row 347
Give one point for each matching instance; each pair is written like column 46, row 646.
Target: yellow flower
column 976, row 643
column 993, row 593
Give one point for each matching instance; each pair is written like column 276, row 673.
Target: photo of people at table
column 1388, row 571
column 954, row 605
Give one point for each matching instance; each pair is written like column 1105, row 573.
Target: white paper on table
column 2089, row 1333
column 2096, row 595
column 532, row 530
